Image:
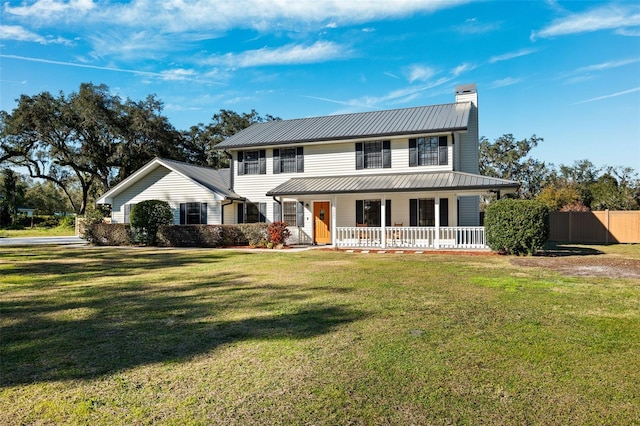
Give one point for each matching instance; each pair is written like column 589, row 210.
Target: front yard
column 172, row 336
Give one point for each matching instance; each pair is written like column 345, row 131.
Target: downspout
column 231, row 173
column 222, row 210
column 279, row 202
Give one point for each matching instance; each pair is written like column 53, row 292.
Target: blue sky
column 567, row 71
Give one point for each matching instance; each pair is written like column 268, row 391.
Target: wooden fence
column 601, row 227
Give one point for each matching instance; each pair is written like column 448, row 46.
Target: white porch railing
column 412, row 237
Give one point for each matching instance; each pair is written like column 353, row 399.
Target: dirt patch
column 585, row 266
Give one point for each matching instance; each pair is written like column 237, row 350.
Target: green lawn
column 141, row 336
column 59, row 231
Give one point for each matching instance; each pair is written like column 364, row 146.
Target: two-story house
column 397, row 178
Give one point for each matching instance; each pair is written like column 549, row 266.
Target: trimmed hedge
column 516, row 226
column 182, row 235
column 109, row 234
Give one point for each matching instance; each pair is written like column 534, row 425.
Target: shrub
column 278, row 233
column 147, row 216
column 256, row 234
column 516, row 226
column 107, row 234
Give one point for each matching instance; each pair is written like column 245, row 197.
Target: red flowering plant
column 278, row 233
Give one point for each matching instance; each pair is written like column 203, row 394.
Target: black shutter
column 387, row 213
column 413, row 212
column 444, row 212
column 359, row 212
column 277, row 212
column 300, row 159
column 300, row 213
column 240, row 163
column 386, row 154
column 413, row 152
column 240, row 213
column 263, row 161
column 442, row 150
column 359, row 156
column 276, row 161
column 183, row 213
column 203, row 213
column 262, row 210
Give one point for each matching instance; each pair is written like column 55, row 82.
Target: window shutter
column 263, row 161
column 183, row 213
column 386, row 154
column 276, row 161
column 413, row 152
column 127, row 213
column 262, row 209
column 444, row 212
column 203, row 213
column 300, row 213
column 442, row 151
column 240, row 163
column 359, row 212
column 277, row 212
column 240, row 213
column 387, row 209
column 300, row 159
column 413, row 212
column 359, row 156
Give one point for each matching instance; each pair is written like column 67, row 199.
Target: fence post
column 606, row 238
column 570, row 226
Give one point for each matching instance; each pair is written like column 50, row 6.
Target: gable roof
column 430, row 181
column 217, row 181
column 406, row 121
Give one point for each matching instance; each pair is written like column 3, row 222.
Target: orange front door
column 322, row 222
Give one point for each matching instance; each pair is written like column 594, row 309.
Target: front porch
column 411, row 237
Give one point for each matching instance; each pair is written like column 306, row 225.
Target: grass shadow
column 65, row 327
column 562, row 250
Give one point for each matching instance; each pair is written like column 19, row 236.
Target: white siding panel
column 163, row 184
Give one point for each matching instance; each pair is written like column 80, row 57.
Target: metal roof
column 404, row 182
column 217, row 181
column 425, row 119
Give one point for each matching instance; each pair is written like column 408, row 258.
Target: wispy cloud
column 613, row 95
column 610, row 17
column 286, row 55
column 178, row 15
column 18, row 33
column 587, row 72
column 511, row 55
column 173, row 75
column 419, row 73
column 47, row 10
column 509, row 81
column 473, row 27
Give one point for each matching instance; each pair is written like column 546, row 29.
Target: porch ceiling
column 406, row 182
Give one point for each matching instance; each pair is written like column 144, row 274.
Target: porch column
column 383, row 222
column 334, row 210
column 436, row 207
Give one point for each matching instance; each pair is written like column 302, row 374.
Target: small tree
column 517, row 226
column 147, row 216
column 278, row 233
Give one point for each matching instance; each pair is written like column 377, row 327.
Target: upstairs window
column 252, row 162
column 288, row 160
column 373, row 155
column 428, row 151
